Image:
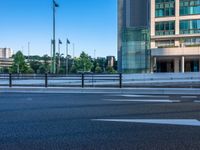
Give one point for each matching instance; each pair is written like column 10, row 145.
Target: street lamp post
column 54, row 37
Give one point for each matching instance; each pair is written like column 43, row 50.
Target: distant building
column 6, row 62
column 6, row 53
column 110, row 61
column 5, row 59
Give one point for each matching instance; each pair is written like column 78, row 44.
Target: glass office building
column 158, row 36
column 133, row 36
column 175, row 35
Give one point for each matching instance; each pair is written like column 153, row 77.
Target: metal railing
column 101, row 80
column 49, row 80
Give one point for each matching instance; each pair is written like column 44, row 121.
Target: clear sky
column 90, row 24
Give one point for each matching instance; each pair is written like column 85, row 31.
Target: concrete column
column 154, row 64
column 176, row 65
column 153, row 4
column 177, row 10
column 183, row 64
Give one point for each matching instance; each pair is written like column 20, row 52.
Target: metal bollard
column 82, row 81
column 120, row 80
column 46, row 80
column 10, row 80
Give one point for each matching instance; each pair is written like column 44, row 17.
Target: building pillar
column 183, row 64
column 154, row 64
column 176, row 65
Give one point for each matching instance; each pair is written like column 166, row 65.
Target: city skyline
column 90, row 25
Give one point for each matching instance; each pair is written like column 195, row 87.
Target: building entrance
column 165, row 66
column 192, row 66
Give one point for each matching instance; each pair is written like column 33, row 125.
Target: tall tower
column 133, row 36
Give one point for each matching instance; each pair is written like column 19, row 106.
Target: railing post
column 82, row 78
column 10, row 80
column 46, row 80
column 120, row 80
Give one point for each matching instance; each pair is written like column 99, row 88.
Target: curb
column 149, row 91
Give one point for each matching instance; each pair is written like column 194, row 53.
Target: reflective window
column 189, row 7
column 189, row 26
column 165, row 28
column 165, row 8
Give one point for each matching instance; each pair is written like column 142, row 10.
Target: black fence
column 50, row 80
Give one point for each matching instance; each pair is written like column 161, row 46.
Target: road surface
column 99, row 122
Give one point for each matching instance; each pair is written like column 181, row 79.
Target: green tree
column 73, row 69
column 46, row 63
column 110, row 70
column 83, row 63
column 98, row 69
column 19, row 65
column 35, row 65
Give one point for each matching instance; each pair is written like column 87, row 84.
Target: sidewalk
column 149, row 91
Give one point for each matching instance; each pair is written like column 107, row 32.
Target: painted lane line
column 150, row 96
column 143, row 100
column 178, row 122
column 188, row 96
column 198, row 101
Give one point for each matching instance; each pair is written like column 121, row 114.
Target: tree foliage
column 83, row 63
column 19, row 65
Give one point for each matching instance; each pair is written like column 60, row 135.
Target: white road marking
column 197, row 101
column 143, row 100
column 180, row 122
column 188, row 96
column 150, row 96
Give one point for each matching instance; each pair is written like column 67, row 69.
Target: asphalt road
column 68, row 122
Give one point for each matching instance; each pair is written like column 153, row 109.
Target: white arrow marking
column 143, row 100
column 180, row 122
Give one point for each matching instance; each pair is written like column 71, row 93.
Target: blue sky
column 90, row 24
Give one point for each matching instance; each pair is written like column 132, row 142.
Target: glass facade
column 165, row 28
column 165, row 8
column 189, row 26
column 189, row 7
column 135, row 51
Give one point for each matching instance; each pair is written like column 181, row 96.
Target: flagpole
column 67, row 69
column 58, row 56
column 51, row 55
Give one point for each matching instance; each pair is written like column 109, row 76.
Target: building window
column 165, row 28
column 165, row 43
column 189, row 26
column 165, row 8
column 192, row 41
column 189, row 7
